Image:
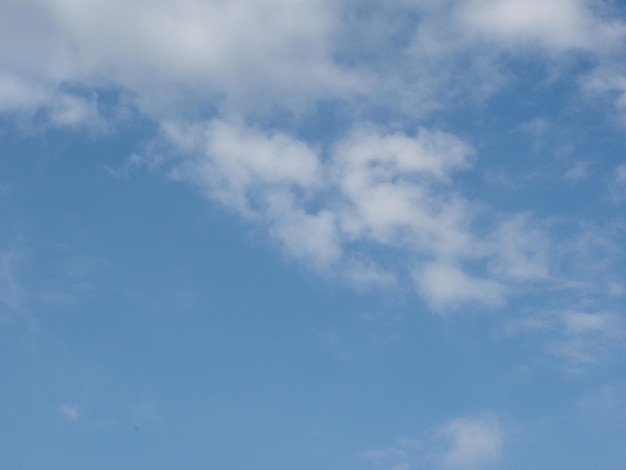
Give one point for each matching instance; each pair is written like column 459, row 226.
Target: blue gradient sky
column 312, row 234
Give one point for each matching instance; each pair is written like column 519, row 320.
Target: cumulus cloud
column 380, row 207
column 209, row 73
column 556, row 25
column 370, row 189
column 176, row 57
column 240, row 166
column 393, row 188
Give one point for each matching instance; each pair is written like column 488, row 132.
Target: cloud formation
column 473, row 443
column 462, row 443
column 579, row 338
column 214, row 75
column 370, row 190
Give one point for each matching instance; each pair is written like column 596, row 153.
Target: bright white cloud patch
column 445, row 285
column 392, row 191
column 204, row 71
column 368, row 188
column 473, row 443
column 553, row 24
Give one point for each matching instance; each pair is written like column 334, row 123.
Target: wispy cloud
column 577, row 172
column 577, row 337
column 462, row 443
column 617, row 184
column 472, row 443
column 11, row 291
column 70, row 412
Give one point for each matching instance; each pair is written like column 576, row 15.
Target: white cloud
column 17, row 94
column 579, row 338
column 372, row 189
column 607, row 83
column 617, row 185
column 241, row 166
column 240, row 57
column 387, row 191
column 250, row 51
column 389, row 188
column 70, row 412
column 333, row 207
column 472, row 443
column 267, row 178
column 388, row 459
column 445, row 285
column 311, row 236
column 556, row 25
column 520, row 250
column 578, row 172
column 462, row 443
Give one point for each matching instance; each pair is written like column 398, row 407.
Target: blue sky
column 312, row 234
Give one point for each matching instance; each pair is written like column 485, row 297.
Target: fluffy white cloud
column 390, row 183
column 205, row 69
column 389, row 191
column 368, row 198
column 242, row 53
column 240, row 166
column 607, row 84
column 556, row 25
column 268, row 178
column 473, row 443
column 176, row 58
column 445, row 285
